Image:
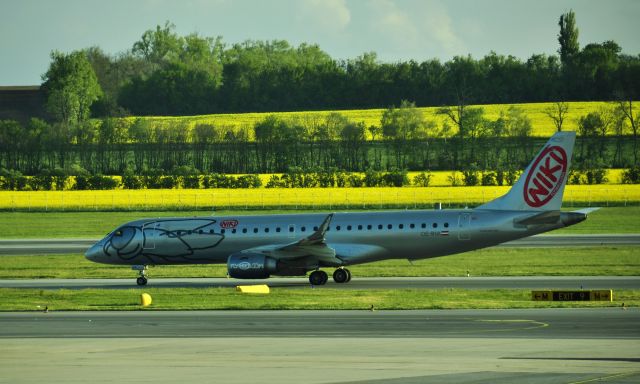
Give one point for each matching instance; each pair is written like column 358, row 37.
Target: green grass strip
column 596, row 261
column 285, row 298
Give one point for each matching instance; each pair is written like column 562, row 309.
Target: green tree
column 402, row 127
column 557, row 112
column 71, row 87
column 568, row 38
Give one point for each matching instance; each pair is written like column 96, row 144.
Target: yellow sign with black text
column 581, row 295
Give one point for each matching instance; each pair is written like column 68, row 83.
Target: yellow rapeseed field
column 542, row 124
column 325, row 198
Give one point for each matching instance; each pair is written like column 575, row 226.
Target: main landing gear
column 142, row 272
column 341, row 275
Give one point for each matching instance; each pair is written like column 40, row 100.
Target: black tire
column 318, row 278
column 325, row 277
column 348, row 273
column 141, row 280
column 341, row 276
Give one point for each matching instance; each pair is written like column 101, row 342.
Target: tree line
column 168, row 74
column 404, row 140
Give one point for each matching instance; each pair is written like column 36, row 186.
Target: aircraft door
column 464, row 220
column 150, row 234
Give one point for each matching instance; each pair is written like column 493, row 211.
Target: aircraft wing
column 313, row 246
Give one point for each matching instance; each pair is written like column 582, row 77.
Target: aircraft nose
column 94, row 252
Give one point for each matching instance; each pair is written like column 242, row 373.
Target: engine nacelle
column 251, row 266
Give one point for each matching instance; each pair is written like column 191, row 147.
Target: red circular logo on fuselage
column 545, row 177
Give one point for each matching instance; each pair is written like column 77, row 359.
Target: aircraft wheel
column 141, row 280
column 318, row 278
column 341, row 276
column 349, row 274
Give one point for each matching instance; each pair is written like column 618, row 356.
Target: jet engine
column 251, row 266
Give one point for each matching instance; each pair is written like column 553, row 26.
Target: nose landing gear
column 142, row 272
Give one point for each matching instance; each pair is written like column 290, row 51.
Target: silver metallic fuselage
column 356, row 237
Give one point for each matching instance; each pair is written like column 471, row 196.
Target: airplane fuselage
column 356, row 237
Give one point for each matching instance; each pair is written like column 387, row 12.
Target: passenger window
column 222, row 231
column 255, row 230
column 348, row 227
column 266, row 230
column 290, row 228
column 379, row 226
column 446, row 225
column 244, row 230
column 337, row 228
column 315, row 228
column 233, row 230
column 211, row 231
column 359, row 227
column 390, row 226
column 401, row 226
column 423, row 225
column 278, row 229
column 303, row 229
column 434, row 225
column 412, row 225
column 369, row 227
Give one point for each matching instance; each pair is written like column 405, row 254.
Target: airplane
column 257, row 247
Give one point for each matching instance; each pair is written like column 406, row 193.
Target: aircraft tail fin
column 541, row 185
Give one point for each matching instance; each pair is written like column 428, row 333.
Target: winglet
column 317, row 236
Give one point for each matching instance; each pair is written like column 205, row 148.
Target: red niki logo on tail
column 546, row 176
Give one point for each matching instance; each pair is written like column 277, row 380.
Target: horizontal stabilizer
column 586, row 211
column 548, row 217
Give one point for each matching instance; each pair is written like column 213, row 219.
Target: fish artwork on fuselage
column 180, row 238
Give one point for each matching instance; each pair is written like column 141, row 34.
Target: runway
column 383, row 347
column 364, row 283
column 70, row 246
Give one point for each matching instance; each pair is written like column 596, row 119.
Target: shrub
column 168, row 182
column 422, row 179
column 372, row 178
column 454, row 180
column 631, row 175
column 489, row 178
column 596, row 176
column 249, row 181
column 576, row 177
column 275, row 182
column 511, row 176
column 326, row 179
column 130, row 181
column 356, row 181
column 191, row 181
column 100, row 182
column 13, row 180
column 82, row 183
column 471, row 176
column 42, row 181
column 395, row 178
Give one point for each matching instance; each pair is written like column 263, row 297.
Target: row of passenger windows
column 303, row 228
